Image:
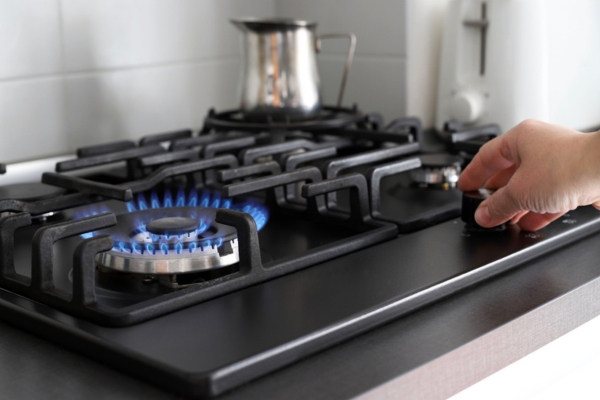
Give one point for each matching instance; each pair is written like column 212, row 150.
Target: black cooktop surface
column 214, row 346
column 205, row 261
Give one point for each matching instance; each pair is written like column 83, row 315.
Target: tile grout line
column 92, row 72
column 191, row 62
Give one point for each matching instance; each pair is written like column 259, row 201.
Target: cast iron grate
column 198, row 159
column 83, row 301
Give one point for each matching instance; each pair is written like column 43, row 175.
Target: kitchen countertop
column 432, row 353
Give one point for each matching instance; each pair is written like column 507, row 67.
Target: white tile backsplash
column 377, row 80
column 375, row 83
column 378, row 24
column 132, row 103
column 127, row 33
column 32, row 119
column 79, row 72
column 29, row 38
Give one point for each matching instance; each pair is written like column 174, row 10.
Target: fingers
column 501, row 207
column 517, row 217
column 498, row 208
column 494, row 156
column 498, row 165
column 500, row 178
column 534, row 221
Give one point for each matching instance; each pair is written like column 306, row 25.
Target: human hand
column 540, row 171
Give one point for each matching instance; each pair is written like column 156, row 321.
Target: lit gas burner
column 175, row 235
column 437, row 170
column 175, row 240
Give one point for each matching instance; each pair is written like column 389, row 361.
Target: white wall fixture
column 424, row 28
column 504, row 61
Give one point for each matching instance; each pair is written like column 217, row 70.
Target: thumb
column 497, row 209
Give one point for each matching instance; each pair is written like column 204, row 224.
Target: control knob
column 470, row 202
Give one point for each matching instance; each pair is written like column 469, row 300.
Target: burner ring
column 329, row 118
column 437, row 169
column 170, row 248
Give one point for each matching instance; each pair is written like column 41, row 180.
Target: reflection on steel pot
column 280, row 76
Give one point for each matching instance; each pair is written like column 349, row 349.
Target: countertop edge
column 474, row 361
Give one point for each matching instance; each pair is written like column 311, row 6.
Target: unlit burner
column 440, row 170
column 29, row 192
column 170, row 241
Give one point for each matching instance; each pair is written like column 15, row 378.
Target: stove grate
column 83, row 302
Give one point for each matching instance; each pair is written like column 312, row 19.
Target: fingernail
column 482, row 215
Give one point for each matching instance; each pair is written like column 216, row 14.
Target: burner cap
column 172, row 226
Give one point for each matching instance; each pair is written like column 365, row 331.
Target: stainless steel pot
column 280, row 75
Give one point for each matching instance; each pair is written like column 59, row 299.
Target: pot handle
column 349, row 57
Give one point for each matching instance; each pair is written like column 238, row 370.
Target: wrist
column 590, row 160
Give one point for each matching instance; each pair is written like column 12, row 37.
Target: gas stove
column 198, row 261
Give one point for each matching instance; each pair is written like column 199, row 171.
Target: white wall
column 79, row 72
column 574, row 70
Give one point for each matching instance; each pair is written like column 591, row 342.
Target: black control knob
column 470, row 202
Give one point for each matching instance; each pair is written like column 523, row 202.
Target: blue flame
column 136, row 248
column 193, row 202
column 203, row 227
column 154, row 200
column 168, row 199
column 165, row 248
column 142, row 202
column 257, row 212
column 216, row 203
column 192, row 199
column 180, row 198
column 150, row 248
column 207, row 199
column 89, row 213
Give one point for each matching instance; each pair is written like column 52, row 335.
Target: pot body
column 280, row 78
